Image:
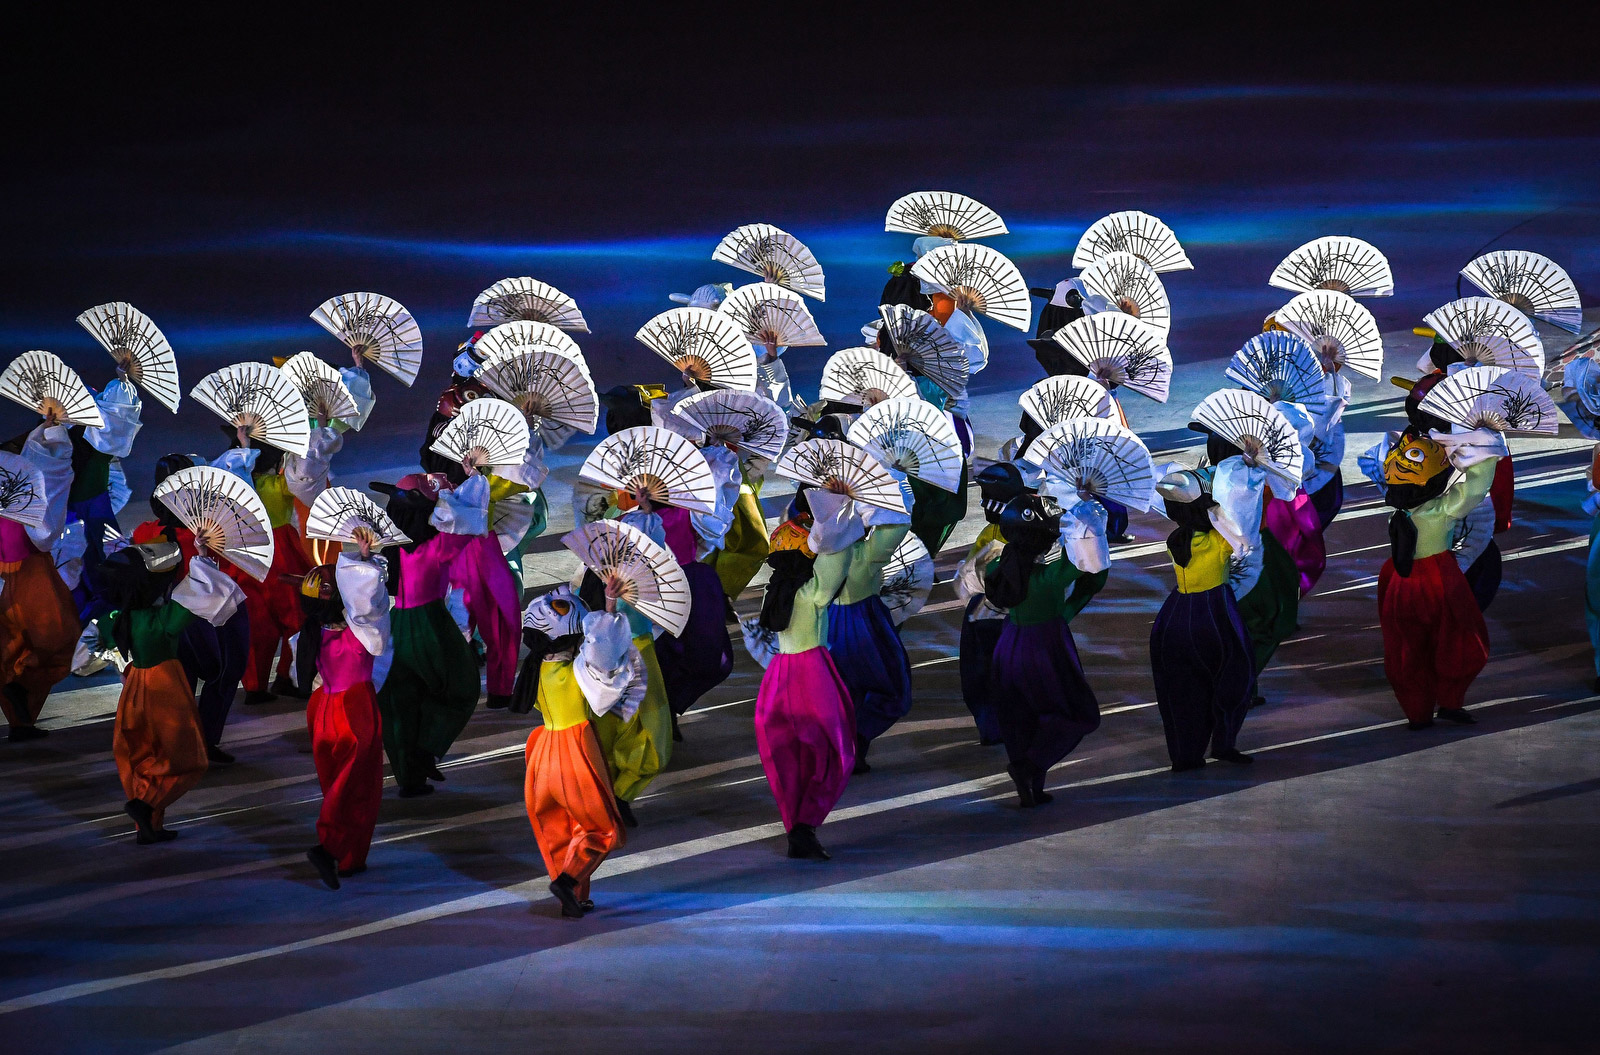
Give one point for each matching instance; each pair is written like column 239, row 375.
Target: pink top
column 15, row 545
column 423, row 571
column 680, row 533
column 344, row 661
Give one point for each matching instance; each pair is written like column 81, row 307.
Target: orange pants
column 157, row 742
column 570, row 806
column 38, row 632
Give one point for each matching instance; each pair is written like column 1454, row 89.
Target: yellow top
column 560, row 699
column 273, row 490
column 1209, row 554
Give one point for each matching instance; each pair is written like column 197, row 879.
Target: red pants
column 1501, row 493
column 347, row 748
column 274, row 608
column 1434, row 639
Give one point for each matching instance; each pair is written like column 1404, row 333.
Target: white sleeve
column 875, row 516
column 1372, row 461
column 240, row 461
column 533, row 471
column 1466, row 449
column 308, row 477
column 1083, row 536
column 366, row 600
column 360, row 386
column 120, row 407
column 648, row 523
column 1240, row 493
column 68, row 553
column 968, row 333
column 608, row 665
column 463, row 510
column 208, row 592
column 49, row 449
column 712, row 528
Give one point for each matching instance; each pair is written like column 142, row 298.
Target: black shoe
column 1234, row 755
column 346, row 873
column 327, row 868
column 416, row 791
column 218, row 757
column 255, row 696
column 863, row 745
column 1022, row 776
column 677, row 735
column 626, row 809
column 1040, row 795
column 19, row 734
column 1188, row 767
column 564, row 888
column 1457, row 715
column 1414, row 726
column 1123, row 538
column 433, row 771
column 587, row 905
column 984, row 741
column 803, row 843
column 1597, row 685
column 497, row 702
column 285, row 687
column 1257, row 701
column 143, row 821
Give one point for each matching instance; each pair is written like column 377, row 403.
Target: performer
column 1043, row 701
column 346, row 624
column 1591, row 591
column 1200, row 652
column 1293, row 520
column 39, row 625
column 432, row 687
column 805, row 722
column 1325, row 485
column 982, row 622
column 157, row 742
column 95, row 453
column 1434, row 638
column 579, row 663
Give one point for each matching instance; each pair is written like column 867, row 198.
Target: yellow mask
column 1414, row 460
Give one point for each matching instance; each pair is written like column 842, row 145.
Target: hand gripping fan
column 510, row 338
column 342, row 514
column 375, row 328
column 944, row 214
column 923, row 345
column 1133, row 232
column 262, row 400
column 915, row 437
column 837, row 466
column 751, row 424
column 775, row 255
column 326, row 396
column 1132, row 287
column 1495, row 398
column 1257, row 428
column 662, row 464
column 707, row 345
column 864, row 376
column 1101, row 458
column 526, row 300
column 1489, row 332
column 487, row 432
column 772, row 316
column 1337, row 262
column 907, row 579
column 1118, row 349
column 1065, row 397
column 1533, row 284
column 1337, row 328
column 22, row 491
column 978, row 279
column 547, row 387
column 44, row 384
column 224, row 513
column 139, row 347
column 1279, row 366
column 646, row 575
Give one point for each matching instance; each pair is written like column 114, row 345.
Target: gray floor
column 1360, row 886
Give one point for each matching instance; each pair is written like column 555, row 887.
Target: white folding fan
column 546, row 386
column 978, row 279
column 1118, row 349
column 751, row 424
column 511, row 338
column 139, row 347
column 1100, row 458
column 22, row 491
column 260, row 399
column 664, row 465
column 943, row 214
column 1133, row 232
column 1533, row 284
column 915, row 437
column 864, row 376
column 1495, row 398
column 926, row 347
column 224, row 513
column 343, row 514
column 1258, row 429
column 907, row 579
column 1338, row 262
column 1337, row 328
column 775, row 255
column 647, row 576
column 842, row 468
column 1279, row 366
column 526, row 300
column 44, row 384
column 486, row 432
column 707, row 345
column 1133, row 288
column 326, row 396
column 771, row 316
column 375, row 328
column 1489, row 332
column 1064, row 397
